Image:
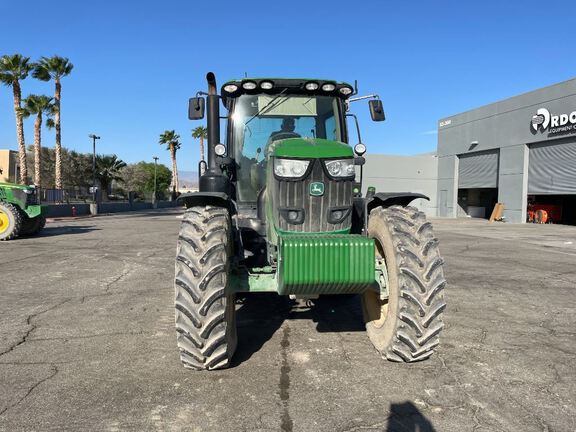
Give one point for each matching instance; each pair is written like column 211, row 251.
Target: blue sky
column 136, row 63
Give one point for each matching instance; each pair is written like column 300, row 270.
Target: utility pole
column 94, row 138
column 154, row 196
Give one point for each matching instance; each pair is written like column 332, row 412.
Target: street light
column 94, row 138
column 154, row 196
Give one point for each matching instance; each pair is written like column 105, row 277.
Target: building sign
column 554, row 124
column 445, row 123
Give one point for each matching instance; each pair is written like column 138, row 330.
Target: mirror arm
column 372, row 96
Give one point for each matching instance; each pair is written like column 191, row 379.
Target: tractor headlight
column 340, row 167
column 266, row 85
column 249, row 85
column 345, row 90
column 291, row 168
column 230, row 88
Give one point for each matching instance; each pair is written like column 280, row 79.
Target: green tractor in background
column 20, row 212
column 280, row 209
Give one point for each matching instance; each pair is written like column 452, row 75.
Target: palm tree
column 55, row 68
column 108, row 169
column 202, row 133
column 37, row 105
column 13, row 69
column 172, row 141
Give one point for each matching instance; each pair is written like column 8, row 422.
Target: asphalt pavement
column 87, row 341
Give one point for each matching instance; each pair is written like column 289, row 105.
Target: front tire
column 405, row 326
column 32, row 226
column 205, row 309
column 10, row 221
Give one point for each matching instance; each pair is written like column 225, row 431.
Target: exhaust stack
column 213, row 180
column 213, row 120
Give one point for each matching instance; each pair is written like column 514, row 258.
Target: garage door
column 552, row 169
column 478, row 170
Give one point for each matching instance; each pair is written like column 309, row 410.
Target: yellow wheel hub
column 4, row 222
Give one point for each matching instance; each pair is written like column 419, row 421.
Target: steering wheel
column 285, row 135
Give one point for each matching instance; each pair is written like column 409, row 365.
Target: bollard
column 74, row 211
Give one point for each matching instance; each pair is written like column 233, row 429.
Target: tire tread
column 201, row 300
column 421, row 284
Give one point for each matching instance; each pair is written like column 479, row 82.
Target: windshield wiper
column 266, row 106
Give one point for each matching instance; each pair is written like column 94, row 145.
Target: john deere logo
column 317, row 189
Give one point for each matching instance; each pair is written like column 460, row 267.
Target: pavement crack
column 374, row 426
column 483, row 336
column 51, row 363
column 286, row 423
column 471, row 403
column 117, row 279
column 87, row 336
column 53, row 373
column 32, row 326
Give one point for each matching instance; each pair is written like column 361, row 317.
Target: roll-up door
column 552, row 169
column 478, row 170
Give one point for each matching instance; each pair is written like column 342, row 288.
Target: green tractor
column 280, row 209
column 20, row 212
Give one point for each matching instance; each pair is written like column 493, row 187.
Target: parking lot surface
column 87, row 341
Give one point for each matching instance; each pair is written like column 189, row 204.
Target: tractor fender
column 33, row 211
column 387, row 199
column 218, row 199
column 363, row 206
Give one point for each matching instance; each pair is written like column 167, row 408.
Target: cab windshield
column 259, row 120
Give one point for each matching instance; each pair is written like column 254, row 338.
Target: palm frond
column 39, row 104
column 171, row 139
column 200, row 132
column 13, row 68
column 54, row 67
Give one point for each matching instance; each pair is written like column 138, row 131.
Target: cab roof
column 288, row 86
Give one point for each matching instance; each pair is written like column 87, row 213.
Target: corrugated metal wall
column 478, row 170
column 552, row 169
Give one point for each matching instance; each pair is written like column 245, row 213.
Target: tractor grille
column 317, row 210
column 32, row 199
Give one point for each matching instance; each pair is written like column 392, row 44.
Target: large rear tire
column 10, row 221
column 405, row 326
column 205, row 309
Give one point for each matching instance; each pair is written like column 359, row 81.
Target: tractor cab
column 286, row 155
column 264, row 112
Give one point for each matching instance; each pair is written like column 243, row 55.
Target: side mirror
column 376, row 110
column 196, row 107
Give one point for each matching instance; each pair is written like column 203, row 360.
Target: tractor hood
column 15, row 186
column 310, row 148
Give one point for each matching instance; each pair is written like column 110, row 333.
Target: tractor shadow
column 260, row 315
column 64, row 230
column 406, row 417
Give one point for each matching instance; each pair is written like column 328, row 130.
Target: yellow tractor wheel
column 10, row 221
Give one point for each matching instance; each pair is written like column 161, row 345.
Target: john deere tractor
column 280, row 209
column 20, row 212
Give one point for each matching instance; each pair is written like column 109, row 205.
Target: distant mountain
column 188, row 179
